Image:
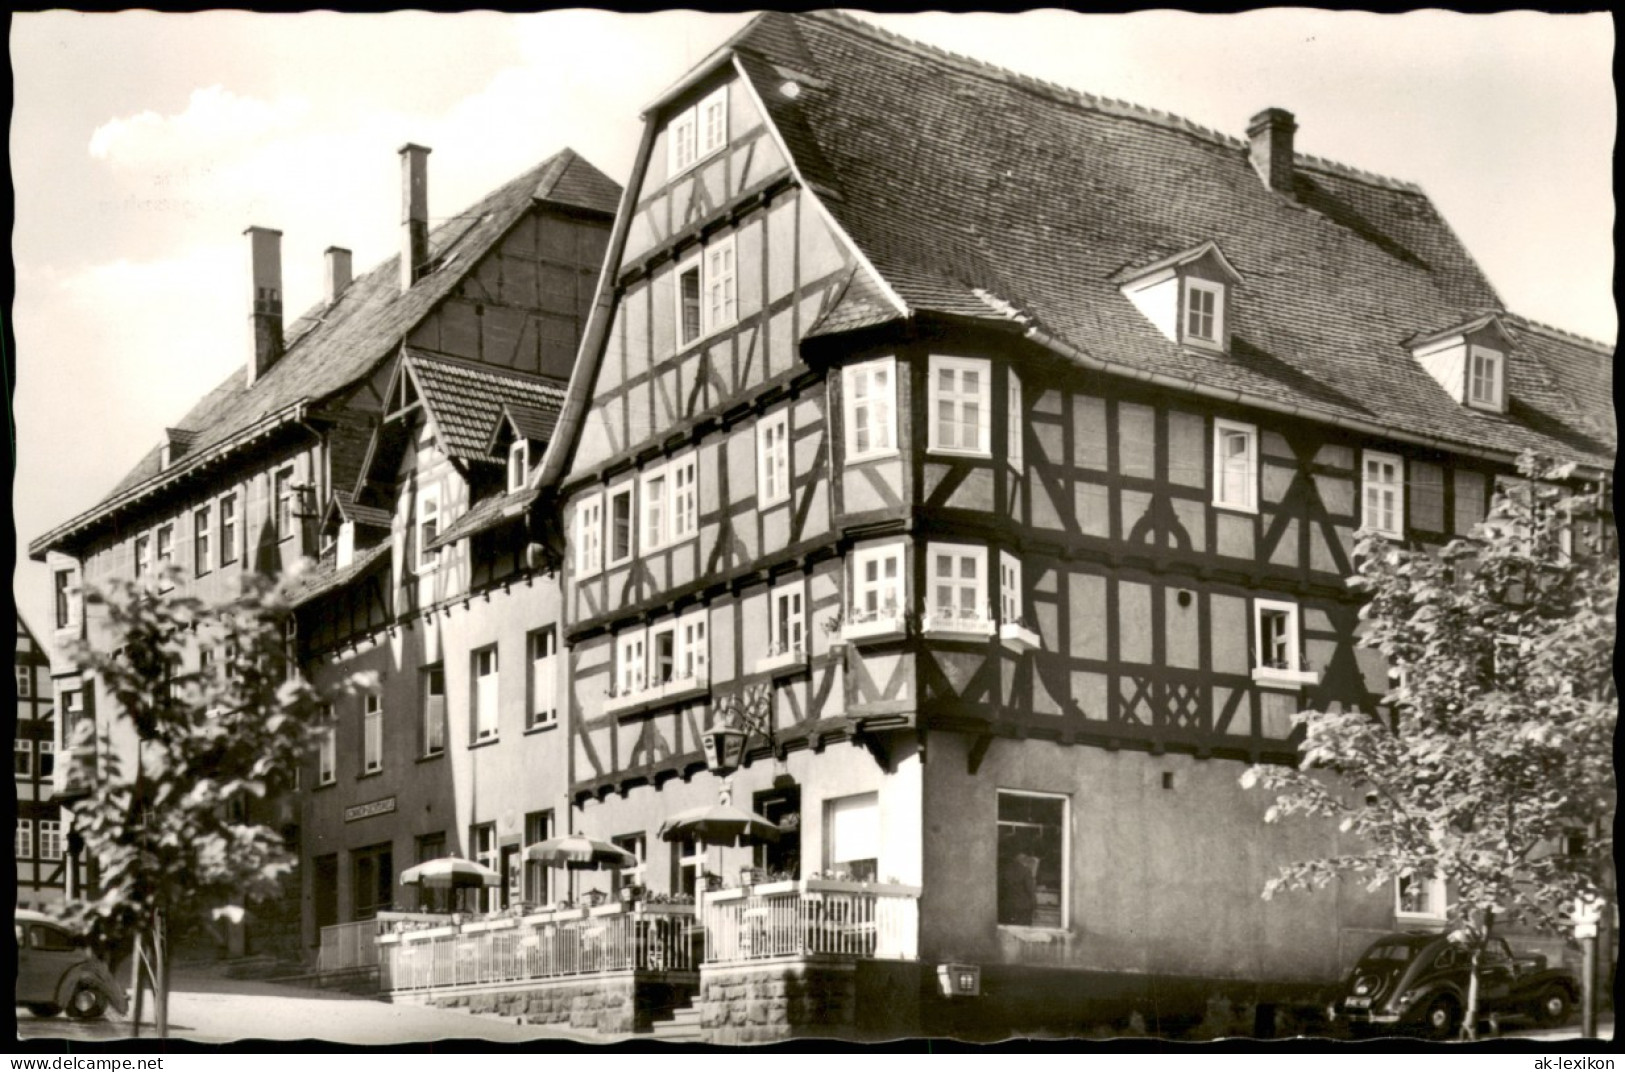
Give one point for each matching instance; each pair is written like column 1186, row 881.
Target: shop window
column 1032, row 859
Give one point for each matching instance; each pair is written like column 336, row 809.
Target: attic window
column 1485, row 376
column 1186, row 296
column 518, row 462
column 695, row 133
column 1204, row 312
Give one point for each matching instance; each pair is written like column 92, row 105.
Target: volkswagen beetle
column 55, row 971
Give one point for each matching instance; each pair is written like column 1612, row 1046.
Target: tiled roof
column 350, row 510
column 331, row 347
column 465, row 399
column 974, row 190
column 326, row 576
column 487, row 514
column 532, row 422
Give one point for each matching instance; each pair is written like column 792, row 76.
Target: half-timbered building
column 40, row 840
column 991, row 455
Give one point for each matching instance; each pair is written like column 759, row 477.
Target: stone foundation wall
column 610, row 1005
column 808, row 998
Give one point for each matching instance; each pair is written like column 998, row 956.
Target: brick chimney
column 338, row 272
column 265, row 300
column 1270, row 134
column 414, row 213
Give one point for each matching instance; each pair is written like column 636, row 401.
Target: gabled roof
column 345, row 508
column 465, row 399
column 1175, row 260
column 974, row 191
column 331, row 347
column 327, row 576
column 528, row 422
column 488, row 513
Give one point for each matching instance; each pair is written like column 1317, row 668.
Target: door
column 373, row 881
column 512, row 875
column 325, row 892
column 781, row 807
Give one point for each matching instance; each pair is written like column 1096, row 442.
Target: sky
column 143, row 144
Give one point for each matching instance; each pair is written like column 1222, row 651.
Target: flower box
column 953, row 626
column 1019, row 637
column 880, row 626
column 781, row 662
column 1271, row 677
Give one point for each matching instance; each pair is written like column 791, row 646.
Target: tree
column 1498, row 744
column 182, row 757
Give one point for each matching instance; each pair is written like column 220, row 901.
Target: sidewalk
column 1571, row 1030
column 210, row 1008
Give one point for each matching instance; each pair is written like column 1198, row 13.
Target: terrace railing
column 812, row 917
column 348, row 947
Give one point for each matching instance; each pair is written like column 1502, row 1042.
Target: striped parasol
column 577, row 852
column 719, row 824
column 450, row 873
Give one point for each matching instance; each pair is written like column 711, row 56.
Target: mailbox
column 960, row 980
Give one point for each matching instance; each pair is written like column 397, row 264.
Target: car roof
column 28, row 915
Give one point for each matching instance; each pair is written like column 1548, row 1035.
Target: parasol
column 450, row 873
column 577, row 852
column 719, row 824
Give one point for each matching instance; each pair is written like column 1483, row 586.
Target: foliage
column 1498, row 742
column 183, row 755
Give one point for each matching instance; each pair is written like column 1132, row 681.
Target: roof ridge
column 1094, row 101
column 1542, row 328
column 416, row 353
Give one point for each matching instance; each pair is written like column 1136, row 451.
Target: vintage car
column 55, row 971
column 1419, row 981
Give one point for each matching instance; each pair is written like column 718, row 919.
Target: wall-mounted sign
column 369, row 809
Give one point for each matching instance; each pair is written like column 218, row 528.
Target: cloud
column 216, row 122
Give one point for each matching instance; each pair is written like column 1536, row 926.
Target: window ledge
column 888, row 627
column 873, row 455
column 960, row 452
column 542, row 727
column 1018, row 637
column 631, row 701
column 784, row 662
column 485, row 742
column 1236, row 508
column 958, row 628
column 1269, row 677
column 364, row 775
column 685, row 688
column 430, row 756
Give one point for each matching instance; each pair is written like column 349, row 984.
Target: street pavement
column 212, row 1009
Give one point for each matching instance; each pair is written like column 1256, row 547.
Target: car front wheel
column 1554, row 1006
column 87, row 1003
column 1443, row 1018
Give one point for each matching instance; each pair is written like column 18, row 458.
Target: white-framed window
column 589, row 535
column 518, row 463
column 538, row 828
column 543, row 652
column 166, row 546
column 1235, row 465
column 1009, row 587
column 693, row 646
column 620, row 525
column 50, row 839
column 1419, row 898
column 1275, row 628
column 713, row 122
column 24, row 843
column 66, row 599
column 1485, row 377
column 228, row 529
column 1203, row 317
column 428, row 526
column 870, row 391
column 638, row 846
column 852, row 836
column 683, row 142
column 682, row 474
column 46, row 763
column 484, row 664
column 24, row 753
column 201, row 533
column 656, row 509
column 482, row 843
column 877, row 582
column 630, row 672
column 282, row 501
column 957, row 583
column 773, row 458
column 143, row 555
column 433, row 730
column 662, row 641
column 1383, row 496
column 690, row 302
column 721, row 289
column 1033, row 862
column 372, row 733
column 1015, row 422
column 786, row 618
column 25, row 681
column 961, row 394
column 327, row 752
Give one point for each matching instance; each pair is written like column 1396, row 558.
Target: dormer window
column 1185, row 296
column 1484, row 380
column 518, row 462
column 1469, row 361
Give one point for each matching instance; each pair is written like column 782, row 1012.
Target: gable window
column 1485, row 371
column 1278, row 644
column 957, row 588
column 589, row 535
column 683, row 132
column 1032, row 859
column 200, row 540
column 1419, row 898
column 543, row 708
column 372, row 733
column 327, row 749
column 695, row 133
column 713, row 115
column 877, row 582
column 786, row 619
column 773, row 459
column 1384, row 494
column 428, row 527
column 228, row 529
column 1014, row 422
column 721, row 291
column 620, row 525
column 689, row 325
column 1235, row 465
column 870, row 391
column 1204, row 311
column 961, row 410
column 518, row 464
column 434, row 711
column 485, row 694
column 283, row 502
